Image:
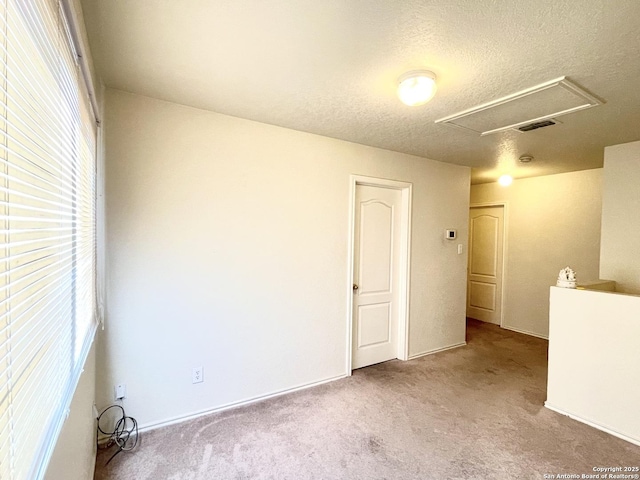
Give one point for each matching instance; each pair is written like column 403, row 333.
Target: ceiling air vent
column 536, row 125
column 528, row 108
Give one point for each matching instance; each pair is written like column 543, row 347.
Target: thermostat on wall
column 450, row 234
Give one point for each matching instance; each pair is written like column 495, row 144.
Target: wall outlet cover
column 120, row 391
column 197, row 375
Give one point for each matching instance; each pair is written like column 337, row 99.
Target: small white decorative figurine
column 566, row 278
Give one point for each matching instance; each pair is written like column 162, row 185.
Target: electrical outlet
column 197, row 375
column 120, row 391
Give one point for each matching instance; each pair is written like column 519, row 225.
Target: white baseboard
column 259, row 398
column 635, row 441
column 436, row 350
column 526, row 332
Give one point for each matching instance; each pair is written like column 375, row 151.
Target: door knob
column 355, row 287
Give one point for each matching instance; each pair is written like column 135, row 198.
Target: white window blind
column 47, row 231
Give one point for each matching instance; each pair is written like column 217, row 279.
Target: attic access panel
column 541, row 102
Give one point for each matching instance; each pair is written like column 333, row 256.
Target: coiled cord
column 126, row 438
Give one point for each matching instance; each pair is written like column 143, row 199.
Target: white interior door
column 486, row 239
column 377, row 241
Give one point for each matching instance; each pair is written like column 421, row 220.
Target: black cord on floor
column 124, row 434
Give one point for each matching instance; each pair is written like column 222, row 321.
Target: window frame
column 88, row 111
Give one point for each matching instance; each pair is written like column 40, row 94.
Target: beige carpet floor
column 475, row 412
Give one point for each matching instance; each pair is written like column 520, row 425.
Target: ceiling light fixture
column 526, row 158
column 416, row 87
column 505, row 180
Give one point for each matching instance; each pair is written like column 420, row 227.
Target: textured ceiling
column 330, row 67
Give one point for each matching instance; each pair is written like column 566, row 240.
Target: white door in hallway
column 377, row 239
column 484, row 285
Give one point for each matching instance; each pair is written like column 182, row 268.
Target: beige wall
column 594, row 360
column 620, row 249
column 75, row 454
column 227, row 248
column 552, row 221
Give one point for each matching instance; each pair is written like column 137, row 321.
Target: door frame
column 505, row 222
column 406, row 191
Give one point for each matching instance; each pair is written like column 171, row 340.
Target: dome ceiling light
column 505, row 180
column 416, row 87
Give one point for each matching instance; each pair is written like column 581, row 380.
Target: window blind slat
column 41, row 99
column 26, row 188
column 47, row 228
column 54, row 307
